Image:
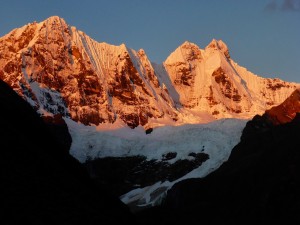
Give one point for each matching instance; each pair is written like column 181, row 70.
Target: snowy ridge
column 209, row 80
column 96, row 83
column 109, row 59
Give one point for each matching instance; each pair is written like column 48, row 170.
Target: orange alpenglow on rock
column 60, row 70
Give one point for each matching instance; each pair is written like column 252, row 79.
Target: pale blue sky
column 262, row 35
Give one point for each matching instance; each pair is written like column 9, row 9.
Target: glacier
column 215, row 139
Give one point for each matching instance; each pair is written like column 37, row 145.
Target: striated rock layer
column 60, row 70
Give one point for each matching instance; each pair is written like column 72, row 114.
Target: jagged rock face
column 60, row 70
column 209, row 80
column 181, row 67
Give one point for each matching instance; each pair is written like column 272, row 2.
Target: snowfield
column 215, row 139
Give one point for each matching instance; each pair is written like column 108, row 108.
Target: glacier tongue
column 215, row 139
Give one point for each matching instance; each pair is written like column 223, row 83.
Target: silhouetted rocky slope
column 123, row 174
column 281, row 114
column 41, row 183
column 259, row 184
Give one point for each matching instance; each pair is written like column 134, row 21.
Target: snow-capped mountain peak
column 209, row 80
column 218, row 45
column 184, row 53
column 61, row 70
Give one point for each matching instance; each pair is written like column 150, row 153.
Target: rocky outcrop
column 286, row 111
column 123, row 174
column 281, row 114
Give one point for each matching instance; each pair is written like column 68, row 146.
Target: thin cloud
column 291, row 5
column 283, row 5
column 271, row 6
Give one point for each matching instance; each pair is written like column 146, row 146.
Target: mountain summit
column 209, row 80
column 60, row 70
